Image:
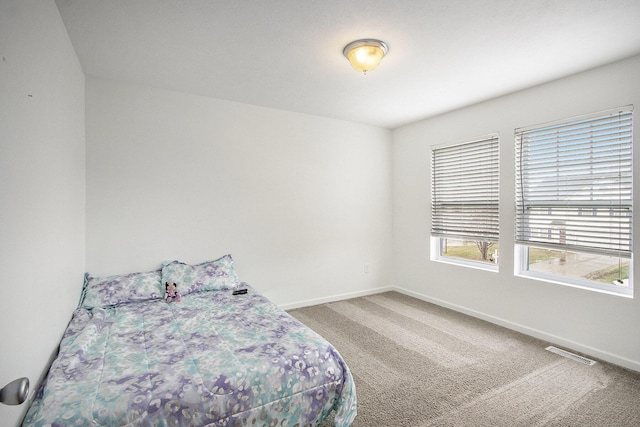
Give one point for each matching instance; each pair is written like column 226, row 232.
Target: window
column 464, row 202
column 574, row 201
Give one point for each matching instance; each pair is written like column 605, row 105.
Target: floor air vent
column 570, row 355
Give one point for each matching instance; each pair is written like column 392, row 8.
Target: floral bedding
column 212, row 359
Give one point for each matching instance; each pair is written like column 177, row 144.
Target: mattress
column 212, row 359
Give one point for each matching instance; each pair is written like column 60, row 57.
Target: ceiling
column 287, row 54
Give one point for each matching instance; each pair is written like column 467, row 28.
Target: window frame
column 437, row 239
column 521, row 246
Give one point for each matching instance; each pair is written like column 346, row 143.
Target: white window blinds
column 465, row 190
column 574, row 184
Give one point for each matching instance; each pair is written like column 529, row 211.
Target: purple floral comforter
column 212, row 359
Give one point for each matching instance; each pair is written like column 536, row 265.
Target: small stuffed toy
column 171, row 293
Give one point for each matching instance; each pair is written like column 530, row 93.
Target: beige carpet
column 416, row 364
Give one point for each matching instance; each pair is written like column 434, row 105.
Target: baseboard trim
column 553, row 339
column 334, row 298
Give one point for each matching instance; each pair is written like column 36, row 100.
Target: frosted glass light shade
column 365, row 55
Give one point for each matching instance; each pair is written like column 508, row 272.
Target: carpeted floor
column 416, row 364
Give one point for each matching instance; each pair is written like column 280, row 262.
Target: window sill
column 466, row 263
column 588, row 286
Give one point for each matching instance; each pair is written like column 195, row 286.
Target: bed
column 211, row 357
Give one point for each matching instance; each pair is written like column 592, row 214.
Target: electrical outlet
column 367, row 267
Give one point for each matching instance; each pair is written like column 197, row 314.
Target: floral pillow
column 208, row 276
column 113, row 290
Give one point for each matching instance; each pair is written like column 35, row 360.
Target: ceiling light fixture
column 365, row 55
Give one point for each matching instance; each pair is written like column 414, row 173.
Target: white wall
column 42, row 188
column 301, row 202
column 602, row 325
